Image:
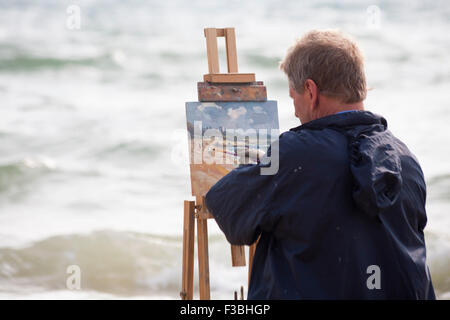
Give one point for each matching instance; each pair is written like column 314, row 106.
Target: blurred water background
column 93, row 164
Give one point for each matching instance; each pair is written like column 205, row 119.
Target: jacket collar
column 344, row 120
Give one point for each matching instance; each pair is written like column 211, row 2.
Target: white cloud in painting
column 258, row 109
column 205, row 105
column 236, row 113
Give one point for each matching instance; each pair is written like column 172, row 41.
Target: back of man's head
column 332, row 60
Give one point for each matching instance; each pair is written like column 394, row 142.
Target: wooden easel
column 231, row 86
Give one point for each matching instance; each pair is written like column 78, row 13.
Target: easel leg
column 237, row 256
column 203, row 258
column 187, row 291
column 251, row 253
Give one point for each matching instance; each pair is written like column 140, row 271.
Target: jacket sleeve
column 241, row 201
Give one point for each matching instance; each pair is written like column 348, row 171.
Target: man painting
column 343, row 217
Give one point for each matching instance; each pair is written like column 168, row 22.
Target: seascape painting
column 224, row 135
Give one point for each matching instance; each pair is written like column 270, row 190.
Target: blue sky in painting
column 234, row 115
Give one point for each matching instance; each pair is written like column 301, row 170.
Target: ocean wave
column 31, row 63
column 121, row 263
column 113, row 264
column 134, row 152
column 15, row 176
column 128, row 264
column 17, row 59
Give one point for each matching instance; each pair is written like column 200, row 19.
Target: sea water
column 93, row 142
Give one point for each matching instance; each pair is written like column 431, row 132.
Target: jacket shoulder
column 327, row 144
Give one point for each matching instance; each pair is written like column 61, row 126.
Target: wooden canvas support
column 237, row 256
column 230, row 43
column 229, row 77
column 203, row 258
column 251, row 254
column 212, row 92
column 187, row 291
column 231, row 86
column 211, row 35
column 214, row 74
column 198, row 211
column 211, row 50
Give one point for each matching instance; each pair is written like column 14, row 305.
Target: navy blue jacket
column 343, row 217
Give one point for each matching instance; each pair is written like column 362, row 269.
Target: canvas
column 224, row 135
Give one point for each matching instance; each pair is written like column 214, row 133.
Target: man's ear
column 313, row 92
